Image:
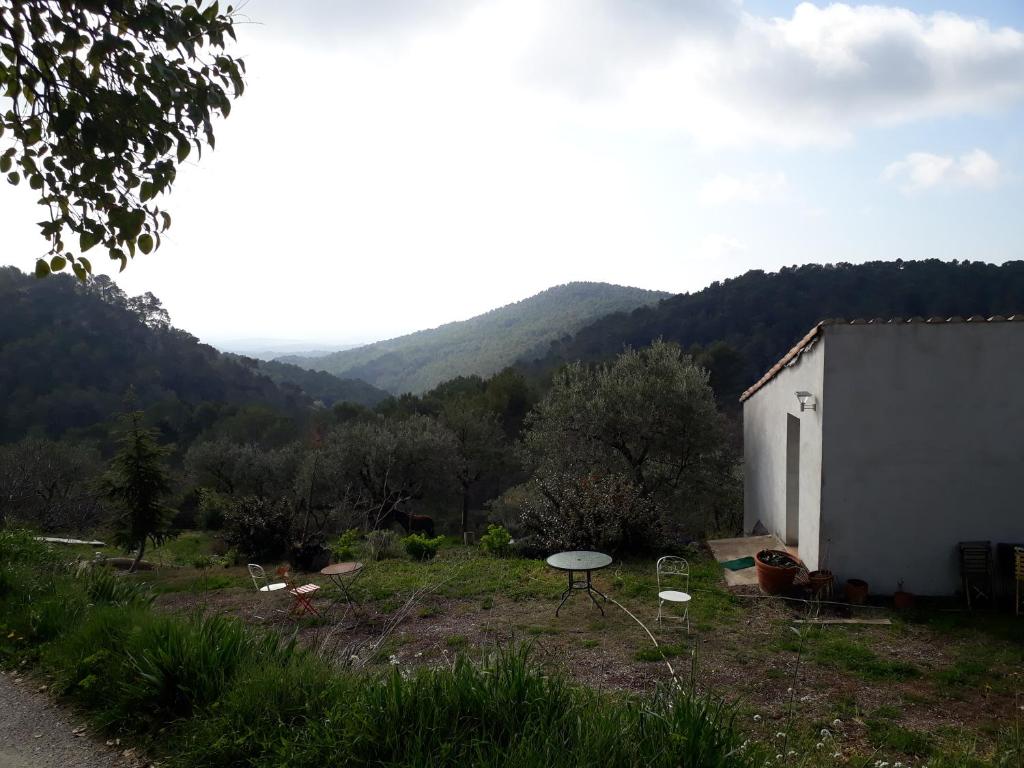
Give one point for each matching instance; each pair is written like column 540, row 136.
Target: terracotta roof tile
column 808, row 341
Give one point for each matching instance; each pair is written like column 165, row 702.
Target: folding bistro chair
column 976, row 571
column 260, row 580
column 303, row 594
column 675, row 572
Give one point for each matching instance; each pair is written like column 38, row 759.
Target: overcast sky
column 396, row 165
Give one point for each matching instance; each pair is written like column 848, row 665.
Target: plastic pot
column 774, row 579
column 856, row 591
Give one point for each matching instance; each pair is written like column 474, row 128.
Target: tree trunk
column 138, row 557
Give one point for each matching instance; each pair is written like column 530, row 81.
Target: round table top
column 579, row 560
column 341, row 569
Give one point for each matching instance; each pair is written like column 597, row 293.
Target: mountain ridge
column 744, row 324
column 481, row 345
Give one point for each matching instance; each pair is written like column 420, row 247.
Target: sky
column 396, row 165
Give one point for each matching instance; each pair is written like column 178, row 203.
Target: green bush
column 420, row 547
column 258, row 527
column 212, row 508
column 497, row 541
column 346, row 545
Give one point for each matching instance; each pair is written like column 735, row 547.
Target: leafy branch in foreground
column 106, row 98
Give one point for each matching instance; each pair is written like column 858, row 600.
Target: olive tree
column 648, row 417
column 48, row 484
column 104, row 99
column 383, row 466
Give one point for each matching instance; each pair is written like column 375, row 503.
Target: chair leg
column 660, row 603
column 303, row 602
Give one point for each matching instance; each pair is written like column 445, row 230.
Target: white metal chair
column 260, row 580
column 675, row 571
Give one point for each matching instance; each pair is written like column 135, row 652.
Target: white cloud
column 813, row 78
column 724, row 189
column 922, row 170
column 704, row 68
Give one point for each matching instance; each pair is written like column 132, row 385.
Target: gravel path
column 36, row 733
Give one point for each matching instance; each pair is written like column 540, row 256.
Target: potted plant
column 856, row 591
column 775, row 570
column 901, row 599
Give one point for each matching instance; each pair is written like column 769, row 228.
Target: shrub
column 420, row 547
column 382, row 543
column 497, row 541
column 258, row 527
column 212, row 508
column 345, row 547
column 597, row 511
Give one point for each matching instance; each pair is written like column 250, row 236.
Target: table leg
column 591, row 591
column 565, row 595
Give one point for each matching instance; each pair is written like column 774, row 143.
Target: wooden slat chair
column 976, row 570
column 303, row 594
column 1018, row 575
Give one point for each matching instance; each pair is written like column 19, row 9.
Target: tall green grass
column 202, row 691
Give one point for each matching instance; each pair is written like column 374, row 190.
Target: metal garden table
column 339, row 573
column 580, row 561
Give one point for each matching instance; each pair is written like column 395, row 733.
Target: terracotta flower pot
column 856, row 591
column 821, row 582
column 775, row 578
column 902, row 600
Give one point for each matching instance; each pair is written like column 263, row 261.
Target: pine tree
column 135, row 483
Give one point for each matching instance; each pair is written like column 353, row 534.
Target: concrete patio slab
column 744, row 546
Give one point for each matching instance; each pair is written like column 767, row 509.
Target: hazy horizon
column 430, row 162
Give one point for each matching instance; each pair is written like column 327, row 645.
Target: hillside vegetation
column 322, row 386
column 70, row 353
column 740, row 327
column 481, row 345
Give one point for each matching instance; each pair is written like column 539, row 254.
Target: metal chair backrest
column 1018, row 562
column 676, row 568
column 976, row 557
column 257, row 574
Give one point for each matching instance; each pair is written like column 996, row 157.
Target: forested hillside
column 740, row 327
column 70, row 353
column 322, row 386
column 481, row 345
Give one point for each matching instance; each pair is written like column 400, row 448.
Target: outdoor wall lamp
column 807, row 402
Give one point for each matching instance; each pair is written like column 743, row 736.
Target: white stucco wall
column 764, row 450
column 924, row 447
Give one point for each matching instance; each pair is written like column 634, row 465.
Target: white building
column 911, row 440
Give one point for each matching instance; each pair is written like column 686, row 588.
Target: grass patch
column 885, row 734
column 838, row 650
column 210, row 691
column 456, row 641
